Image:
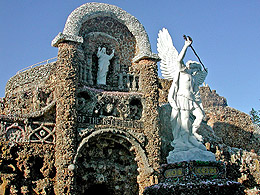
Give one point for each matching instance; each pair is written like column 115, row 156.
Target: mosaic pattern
column 25, row 131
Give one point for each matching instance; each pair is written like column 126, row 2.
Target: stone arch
column 127, row 141
column 127, row 136
column 91, row 10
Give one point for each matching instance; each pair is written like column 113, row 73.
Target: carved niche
column 98, row 108
column 104, row 31
column 92, row 102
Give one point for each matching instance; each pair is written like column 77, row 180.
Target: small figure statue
column 103, row 63
column 184, row 98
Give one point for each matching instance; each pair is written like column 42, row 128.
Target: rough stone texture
column 239, row 144
column 64, row 134
column 164, row 86
column 149, row 87
column 35, row 76
column 190, row 188
column 27, row 168
column 29, row 91
column 234, row 127
column 61, row 133
column 210, row 98
column 65, row 93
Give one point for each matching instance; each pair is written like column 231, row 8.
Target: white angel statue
column 184, row 98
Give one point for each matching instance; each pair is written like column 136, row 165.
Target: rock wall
column 210, row 98
column 27, row 168
column 62, row 133
column 29, row 91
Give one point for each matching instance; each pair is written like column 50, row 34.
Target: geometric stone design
column 15, row 133
column 43, row 133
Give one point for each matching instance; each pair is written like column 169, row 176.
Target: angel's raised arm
column 182, row 54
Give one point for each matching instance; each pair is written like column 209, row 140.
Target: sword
column 188, row 37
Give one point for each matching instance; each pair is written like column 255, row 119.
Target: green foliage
column 255, row 116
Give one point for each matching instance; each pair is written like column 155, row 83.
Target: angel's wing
column 167, row 53
column 200, row 77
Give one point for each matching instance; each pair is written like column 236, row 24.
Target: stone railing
column 37, row 64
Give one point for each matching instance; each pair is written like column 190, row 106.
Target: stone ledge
column 65, row 37
column 143, row 56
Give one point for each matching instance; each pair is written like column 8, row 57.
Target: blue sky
column 226, row 36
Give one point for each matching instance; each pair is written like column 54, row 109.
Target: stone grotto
column 95, row 120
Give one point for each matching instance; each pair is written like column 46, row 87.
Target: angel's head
column 193, row 66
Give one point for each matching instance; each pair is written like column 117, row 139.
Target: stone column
column 148, row 82
column 66, row 80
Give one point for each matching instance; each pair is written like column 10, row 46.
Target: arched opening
column 80, row 15
column 111, row 34
column 106, row 163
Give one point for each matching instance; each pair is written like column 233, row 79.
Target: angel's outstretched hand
column 188, row 42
